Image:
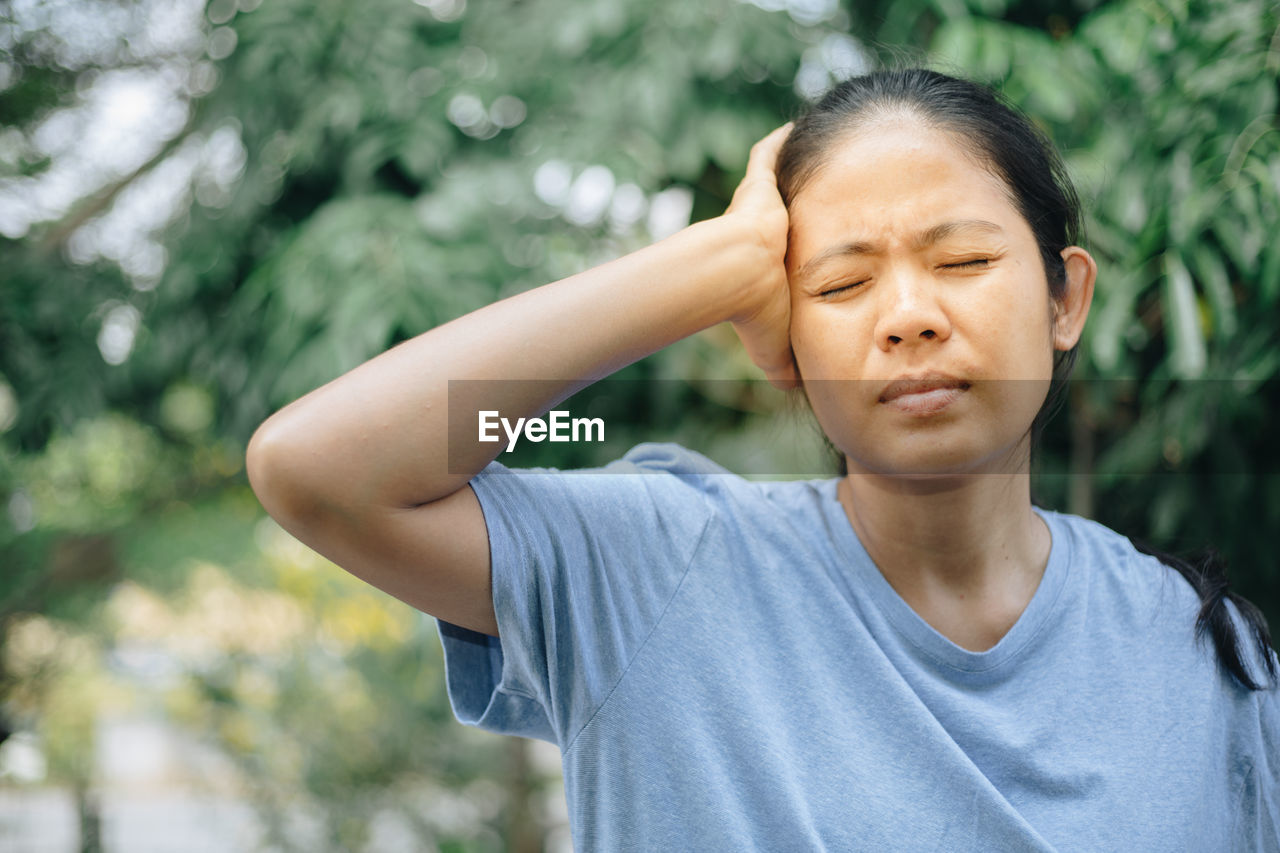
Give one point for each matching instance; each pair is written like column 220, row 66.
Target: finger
column 764, row 154
column 774, row 356
column 766, row 149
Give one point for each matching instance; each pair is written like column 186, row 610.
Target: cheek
column 810, row 347
column 1031, row 349
column 830, row 341
column 1011, row 325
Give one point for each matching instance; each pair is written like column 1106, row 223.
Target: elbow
column 257, row 459
column 275, row 462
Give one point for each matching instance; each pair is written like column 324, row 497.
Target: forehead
column 887, row 183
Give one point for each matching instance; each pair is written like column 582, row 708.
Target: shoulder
column 669, row 458
column 652, row 497
column 1112, row 564
column 1149, row 593
column 633, row 471
column 769, row 514
column 651, row 472
column 1123, row 593
column 699, row 471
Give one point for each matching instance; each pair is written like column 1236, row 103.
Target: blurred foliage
column 324, row 692
column 343, row 176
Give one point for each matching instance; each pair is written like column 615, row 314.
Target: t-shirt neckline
column 867, row 579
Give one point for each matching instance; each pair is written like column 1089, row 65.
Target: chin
column 939, row 458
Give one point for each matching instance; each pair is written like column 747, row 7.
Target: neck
column 966, row 552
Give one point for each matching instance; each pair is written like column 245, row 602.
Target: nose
column 909, row 312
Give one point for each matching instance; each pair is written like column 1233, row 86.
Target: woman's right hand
column 763, row 325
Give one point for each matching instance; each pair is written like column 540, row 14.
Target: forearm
column 378, row 436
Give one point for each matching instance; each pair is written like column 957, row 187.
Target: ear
column 1070, row 312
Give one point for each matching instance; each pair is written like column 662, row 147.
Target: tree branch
column 100, row 201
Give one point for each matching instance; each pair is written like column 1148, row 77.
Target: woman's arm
column 361, row 470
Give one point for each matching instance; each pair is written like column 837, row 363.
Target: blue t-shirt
column 724, row 668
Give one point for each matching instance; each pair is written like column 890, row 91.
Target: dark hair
column 1000, row 137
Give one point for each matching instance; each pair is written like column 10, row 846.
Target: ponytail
column 1208, row 577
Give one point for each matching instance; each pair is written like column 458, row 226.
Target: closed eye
column 827, row 294
column 976, row 263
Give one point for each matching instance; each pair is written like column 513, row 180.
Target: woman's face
column 921, row 319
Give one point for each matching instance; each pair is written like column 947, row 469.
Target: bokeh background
column 208, row 209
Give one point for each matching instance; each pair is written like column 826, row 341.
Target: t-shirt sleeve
column 1266, row 789
column 1258, row 825
column 583, row 564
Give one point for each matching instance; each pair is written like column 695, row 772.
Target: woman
column 910, row 656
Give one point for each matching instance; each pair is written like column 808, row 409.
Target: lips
column 923, row 396
column 924, row 384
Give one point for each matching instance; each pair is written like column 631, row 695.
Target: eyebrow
column 923, row 240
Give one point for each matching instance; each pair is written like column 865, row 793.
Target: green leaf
column 1212, row 273
column 1186, row 340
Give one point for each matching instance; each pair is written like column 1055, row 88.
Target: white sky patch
column 15, row 218
column 628, row 208
column 669, row 211
column 444, row 10
column 807, row 12
column 172, row 27
column 80, row 32
column 121, row 120
column 551, row 182
column 465, row 110
column 21, row 759
column 589, row 196
column 128, row 232
column 87, row 33
column 595, row 197
column 837, row 57
column 468, row 113
column 119, row 330
column 222, row 166
column 129, row 115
